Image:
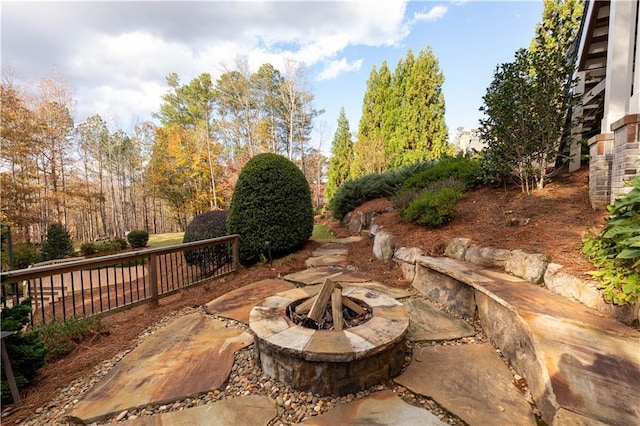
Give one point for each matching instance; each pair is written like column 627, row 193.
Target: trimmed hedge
column 138, row 238
column 271, row 202
column 204, row 227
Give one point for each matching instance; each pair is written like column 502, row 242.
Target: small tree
column 57, row 244
column 527, row 101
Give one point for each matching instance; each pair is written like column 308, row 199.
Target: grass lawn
column 163, row 240
column 321, row 233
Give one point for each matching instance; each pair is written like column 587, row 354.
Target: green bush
column 406, row 196
column 26, row 350
column 108, row 247
column 204, row 227
column 138, row 238
column 355, row 192
column 464, row 169
column 122, row 242
column 87, row 249
column 25, row 255
column 433, row 208
column 616, row 250
column 61, row 337
column 57, row 244
column 271, row 202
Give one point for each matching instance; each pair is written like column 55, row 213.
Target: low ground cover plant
column 616, row 249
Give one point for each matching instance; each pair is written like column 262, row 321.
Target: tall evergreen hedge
column 271, row 202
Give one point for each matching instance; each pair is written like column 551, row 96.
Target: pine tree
column 420, row 132
column 341, row 157
column 369, row 153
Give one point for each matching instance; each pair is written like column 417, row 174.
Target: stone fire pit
column 330, row 361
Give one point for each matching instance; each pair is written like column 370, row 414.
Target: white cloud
column 435, row 13
column 335, row 68
column 117, row 54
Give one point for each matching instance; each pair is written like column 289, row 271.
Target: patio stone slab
column 347, row 240
column 313, row 276
column 243, row 410
column 382, row 408
column 393, row 292
column 327, row 260
column 430, row 324
column 331, row 249
column 238, row 303
column 192, row 354
column 470, row 381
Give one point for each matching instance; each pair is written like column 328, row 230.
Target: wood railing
column 120, row 281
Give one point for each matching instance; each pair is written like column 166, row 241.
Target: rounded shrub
column 138, row 238
column 433, row 208
column 204, row 227
column 87, row 249
column 25, row 255
column 57, row 244
column 271, row 202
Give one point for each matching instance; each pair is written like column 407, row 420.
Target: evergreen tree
column 419, row 131
column 369, row 153
column 58, row 243
column 341, row 156
column 526, row 103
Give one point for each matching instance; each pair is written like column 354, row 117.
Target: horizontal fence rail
column 109, row 283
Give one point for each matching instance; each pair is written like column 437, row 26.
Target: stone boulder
column 486, row 256
column 530, row 267
column 357, row 221
column 457, row 248
column 405, row 258
column 384, row 246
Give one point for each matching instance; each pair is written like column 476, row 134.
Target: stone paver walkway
column 194, row 354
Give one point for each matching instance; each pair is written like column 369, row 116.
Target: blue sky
column 117, row 54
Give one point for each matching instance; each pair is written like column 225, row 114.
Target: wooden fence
column 120, row 281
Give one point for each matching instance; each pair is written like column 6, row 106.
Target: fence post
column 236, row 254
column 153, row 278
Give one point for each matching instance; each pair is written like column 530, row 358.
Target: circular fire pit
column 330, row 361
